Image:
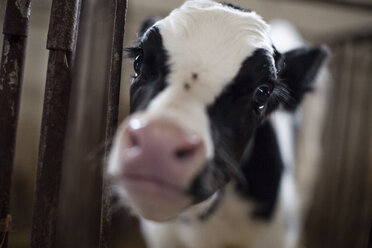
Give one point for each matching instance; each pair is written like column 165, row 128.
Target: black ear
column 146, row 24
column 299, row 71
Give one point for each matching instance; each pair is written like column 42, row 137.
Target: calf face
column 205, row 78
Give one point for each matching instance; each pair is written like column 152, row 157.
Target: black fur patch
column 301, row 67
column 154, row 69
column 232, row 115
column 214, row 176
column 279, row 60
column 262, row 168
column 233, row 121
column 236, row 7
column 146, row 24
column 212, row 207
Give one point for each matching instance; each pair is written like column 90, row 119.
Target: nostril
column 133, row 139
column 185, row 152
column 134, row 133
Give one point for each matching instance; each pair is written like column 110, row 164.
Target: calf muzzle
column 158, row 161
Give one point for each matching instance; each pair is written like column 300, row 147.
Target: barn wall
column 341, row 211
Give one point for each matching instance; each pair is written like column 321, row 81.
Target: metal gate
column 85, row 40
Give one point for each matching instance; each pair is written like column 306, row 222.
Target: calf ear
column 146, row 24
column 299, row 71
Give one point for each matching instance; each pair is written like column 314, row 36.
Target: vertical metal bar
column 15, row 32
column 112, row 112
column 81, row 188
column 61, row 43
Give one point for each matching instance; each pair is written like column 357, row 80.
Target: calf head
column 205, row 78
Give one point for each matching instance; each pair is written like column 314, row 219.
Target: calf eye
column 261, row 94
column 137, row 64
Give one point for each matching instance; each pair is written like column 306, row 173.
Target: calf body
column 202, row 159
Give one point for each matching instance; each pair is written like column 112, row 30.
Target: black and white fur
column 205, row 67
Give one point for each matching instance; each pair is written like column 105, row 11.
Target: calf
column 202, row 160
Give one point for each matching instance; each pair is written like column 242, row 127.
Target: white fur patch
column 230, row 226
column 283, row 123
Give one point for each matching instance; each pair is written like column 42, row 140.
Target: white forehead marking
column 212, row 40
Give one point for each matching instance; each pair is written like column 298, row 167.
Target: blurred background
column 340, row 134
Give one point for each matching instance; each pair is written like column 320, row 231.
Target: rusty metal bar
column 61, row 43
column 15, row 32
column 112, row 112
column 81, row 187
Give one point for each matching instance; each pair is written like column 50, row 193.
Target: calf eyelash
column 280, row 94
column 133, row 52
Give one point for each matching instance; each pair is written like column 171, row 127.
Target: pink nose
column 161, row 150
